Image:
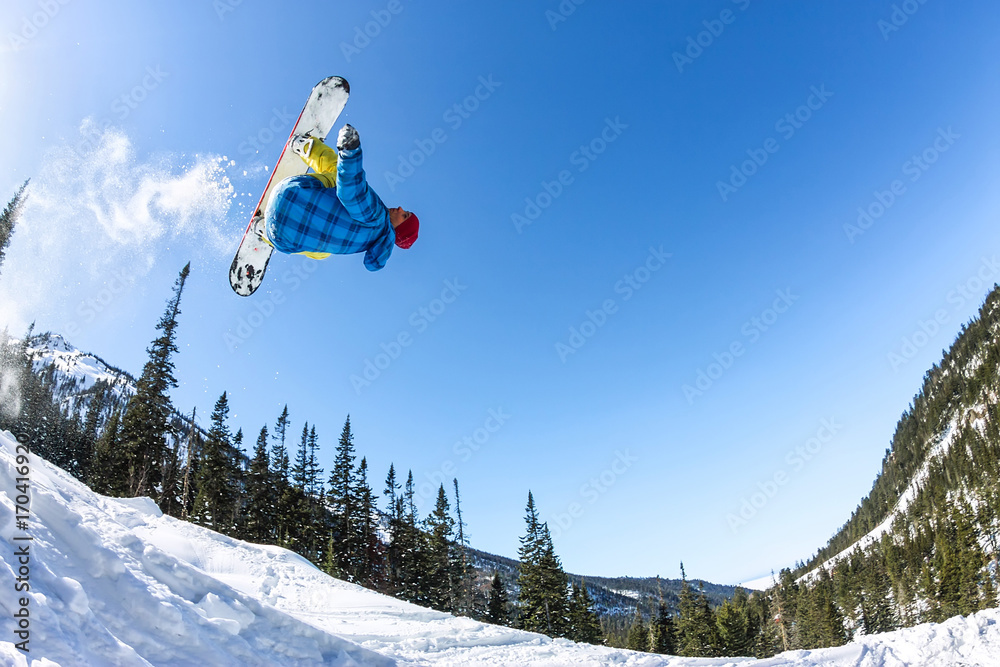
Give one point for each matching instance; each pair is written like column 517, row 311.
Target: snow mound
column 115, row 582
column 101, row 594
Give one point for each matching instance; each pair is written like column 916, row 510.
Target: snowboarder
column 333, row 210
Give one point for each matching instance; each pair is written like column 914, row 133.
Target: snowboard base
column 326, row 101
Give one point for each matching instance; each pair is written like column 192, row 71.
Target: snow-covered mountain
column 76, row 372
column 109, row 581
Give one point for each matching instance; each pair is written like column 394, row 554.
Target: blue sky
column 739, row 138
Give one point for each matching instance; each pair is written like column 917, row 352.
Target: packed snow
column 115, row 581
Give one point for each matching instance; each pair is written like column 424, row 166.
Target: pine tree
column 498, row 608
column 146, row 423
column 92, row 422
column 877, row 614
column 237, row 463
column 314, row 487
column 734, row 626
column 279, row 455
column 584, row 625
column 395, row 514
column 216, row 497
column 638, row 634
column 463, row 572
column 822, row 623
column 696, row 631
column 662, row 631
column 109, row 473
column 343, row 503
column 369, row 558
column 307, row 530
column 300, row 471
column 410, row 547
column 440, row 564
column 542, row 603
column 259, row 514
column 9, row 218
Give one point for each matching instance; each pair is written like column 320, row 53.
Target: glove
column 348, row 139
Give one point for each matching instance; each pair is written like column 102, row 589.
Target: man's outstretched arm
column 358, row 198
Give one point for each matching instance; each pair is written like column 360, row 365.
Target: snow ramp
column 115, row 582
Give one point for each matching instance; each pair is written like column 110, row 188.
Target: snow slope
column 116, row 582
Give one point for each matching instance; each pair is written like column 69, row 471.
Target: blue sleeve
column 361, row 202
column 378, row 254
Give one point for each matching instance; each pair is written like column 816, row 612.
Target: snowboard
column 326, row 101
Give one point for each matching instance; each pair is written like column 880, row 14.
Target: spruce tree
column 109, row 473
column 343, row 502
column 662, row 631
column 192, row 464
column 463, row 571
column 93, row 420
column 146, row 423
column 638, row 634
column 410, row 548
column 237, row 463
column 279, row 455
column 584, row 625
column 395, row 515
column 542, row 602
column 314, row 487
column 368, row 560
column 877, row 614
column 8, row 218
column 440, row 563
column 259, row 513
column 498, row 607
column 822, row 622
column 696, row 630
column 216, row 482
column 734, row 626
column 300, row 471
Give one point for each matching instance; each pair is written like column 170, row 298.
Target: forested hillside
column 922, row 546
